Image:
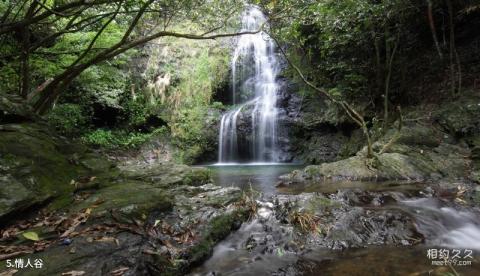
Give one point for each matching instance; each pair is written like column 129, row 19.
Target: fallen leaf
column 14, row 254
column 31, row 236
column 8, row 272
column 108, row 239
column 74, row 273
column 76, row 221
column 41, row 245
column 167, row 243
column 150, row 252
column 119, row 271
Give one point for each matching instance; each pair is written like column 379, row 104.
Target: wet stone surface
column 287, row 227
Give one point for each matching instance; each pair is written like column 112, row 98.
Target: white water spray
column 254, row 72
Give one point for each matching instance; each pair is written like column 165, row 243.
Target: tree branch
column 352, row 113
column 9, row 27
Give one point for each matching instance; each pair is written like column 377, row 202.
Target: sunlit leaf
column 33, row 236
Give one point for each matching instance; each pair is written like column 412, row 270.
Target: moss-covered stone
column 128, row 200
column 460, row 117
column 218, row 228
column 418, row 152
column 197, row 177
column 417, row 135
column 13, row 109
column 95, row 164
column 42, row 165
column 14, row 196
column 32, row 157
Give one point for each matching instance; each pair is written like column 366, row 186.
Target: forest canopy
column 86, row 57
column 47, row 44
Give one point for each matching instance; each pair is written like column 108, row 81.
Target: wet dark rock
column 346, row 221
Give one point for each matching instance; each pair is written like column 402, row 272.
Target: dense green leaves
column 79, row 55
column 68, row 119
column 119, row 139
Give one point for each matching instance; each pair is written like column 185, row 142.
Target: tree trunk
column 25, row 57
column 452, row 48
column 389, row 60
column 432, row 29
column 378, row 62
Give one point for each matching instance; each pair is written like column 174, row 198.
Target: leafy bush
column 218, row 105
column 135, row 112
column 68, row 119
column 115, row 139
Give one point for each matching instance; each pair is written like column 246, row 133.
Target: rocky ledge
column 439, row 144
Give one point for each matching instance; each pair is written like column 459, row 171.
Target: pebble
column 66, row 241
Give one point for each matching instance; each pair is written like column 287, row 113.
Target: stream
column 264, row 246
column 326, row 228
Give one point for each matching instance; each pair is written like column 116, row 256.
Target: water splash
column 446, row 226
column 254, row 71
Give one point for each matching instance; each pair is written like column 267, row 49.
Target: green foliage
column 119, row 139
column 217, row 105
column 198, row 177
column 134, row 112
column 9, row 78
column 114, row 86
column 68, row 119
column 344, row 46
column 199, row 68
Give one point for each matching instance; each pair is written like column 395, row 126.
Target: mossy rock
column 418, row 135
column 197, row 177
column 15, row 197
column 218, row 228
column 95, row 164
column 404, row 163
column 460, row 117
column 320, row 203
column 14, row 110
column 32, row 157
column 353, row 168
column 399, row 166
column 127, row 201
column 168, row 175
column 352, row 145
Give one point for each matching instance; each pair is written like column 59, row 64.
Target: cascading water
column 446, row 226
column 254, row 71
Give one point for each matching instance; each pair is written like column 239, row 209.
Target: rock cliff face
column 436, row 142
column 316, row 131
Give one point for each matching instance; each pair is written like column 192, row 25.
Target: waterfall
column 254, row 91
